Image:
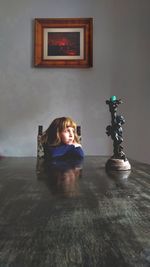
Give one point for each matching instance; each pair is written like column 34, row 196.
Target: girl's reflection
column 62, row 177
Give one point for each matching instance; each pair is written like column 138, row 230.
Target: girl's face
column 67, row 135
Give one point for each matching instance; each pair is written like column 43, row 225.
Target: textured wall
column 31, row 96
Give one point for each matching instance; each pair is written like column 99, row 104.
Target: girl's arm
column 64, row 150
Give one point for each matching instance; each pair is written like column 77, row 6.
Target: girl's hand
column 77, row 145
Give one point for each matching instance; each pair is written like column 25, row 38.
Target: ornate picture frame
column 63, row 42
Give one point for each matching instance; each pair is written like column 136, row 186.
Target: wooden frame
column 63, row 42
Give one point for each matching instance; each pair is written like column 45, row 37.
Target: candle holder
column 118, row 161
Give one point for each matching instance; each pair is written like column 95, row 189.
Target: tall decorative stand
column 118, row 161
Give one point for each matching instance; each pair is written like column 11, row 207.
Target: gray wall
column 31, row 96
column 130, row 73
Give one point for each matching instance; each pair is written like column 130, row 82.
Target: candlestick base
column 118, row 165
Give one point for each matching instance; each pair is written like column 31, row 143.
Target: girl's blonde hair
column 52, row 135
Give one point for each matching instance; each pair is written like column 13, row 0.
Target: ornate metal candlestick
column 118, row 161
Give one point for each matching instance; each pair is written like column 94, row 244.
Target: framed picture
column 63, row 42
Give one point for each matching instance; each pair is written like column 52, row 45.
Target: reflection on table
column 61, row 176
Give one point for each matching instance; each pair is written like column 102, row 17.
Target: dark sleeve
column 61, row 151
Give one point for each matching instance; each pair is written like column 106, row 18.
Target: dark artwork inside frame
column 63, row 43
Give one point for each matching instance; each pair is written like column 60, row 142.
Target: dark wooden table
column 72, row 216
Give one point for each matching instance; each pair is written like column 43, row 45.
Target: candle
column 113, row 98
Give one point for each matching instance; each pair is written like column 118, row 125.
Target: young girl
column 61, row 141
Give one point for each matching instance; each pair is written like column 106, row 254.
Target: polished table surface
column 74, row 216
